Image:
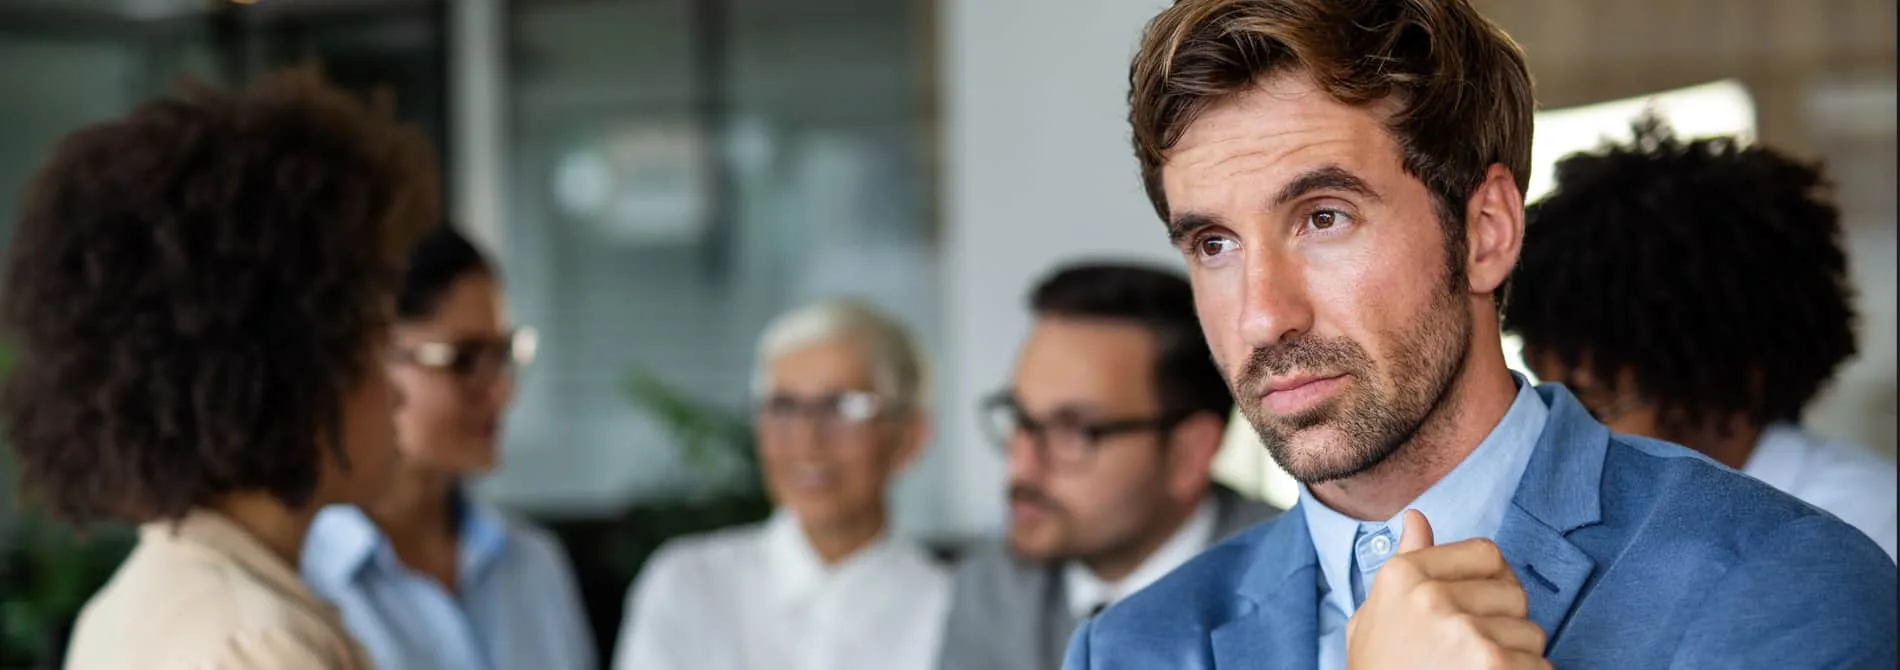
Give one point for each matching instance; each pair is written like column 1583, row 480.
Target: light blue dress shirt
column 516, row 606
column 1469, row 502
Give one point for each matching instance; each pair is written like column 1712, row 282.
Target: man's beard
column 1372, row 423
column 1025, row 494
column 1071, row 541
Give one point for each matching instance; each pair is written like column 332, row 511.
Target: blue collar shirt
column 1468, row 502
column 515, row 605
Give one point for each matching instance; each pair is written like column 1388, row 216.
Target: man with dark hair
column 1109, row 429
column 1345, row 180
column 201, row 295
column 1745, row 314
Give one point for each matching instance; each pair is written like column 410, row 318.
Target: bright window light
column 1718, row 108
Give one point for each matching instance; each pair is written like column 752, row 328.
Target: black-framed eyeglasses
column 1063, row 442
column 831, row 411
column 473, row 358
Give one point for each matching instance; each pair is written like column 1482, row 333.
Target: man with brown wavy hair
column 1345, row 180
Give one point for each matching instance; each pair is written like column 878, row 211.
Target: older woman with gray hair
column 840, row 392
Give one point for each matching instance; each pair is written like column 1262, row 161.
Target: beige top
column 208, row 597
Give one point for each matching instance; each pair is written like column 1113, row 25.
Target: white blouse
column 1847, row 480
column 759, row 597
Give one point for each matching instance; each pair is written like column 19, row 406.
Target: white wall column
column 1039, row 170
column 478, row 126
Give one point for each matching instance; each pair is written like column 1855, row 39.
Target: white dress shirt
column 1085, row 592
column 1848, row 481
column 759, row 597
column 1468, row 502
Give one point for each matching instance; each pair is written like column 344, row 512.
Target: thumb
column 1417, row 533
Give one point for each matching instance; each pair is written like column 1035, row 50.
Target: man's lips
column 1024, row 512
column 1291, row 394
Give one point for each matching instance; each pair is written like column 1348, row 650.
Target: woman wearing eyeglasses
column 426, row 576
column 823, row 585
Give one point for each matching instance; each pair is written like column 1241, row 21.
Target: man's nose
column 1274, row 303
column 1023, row 460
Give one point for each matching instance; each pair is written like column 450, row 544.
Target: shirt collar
column 1468, row 502
column 1084, row 591
column 341, row 542
column 483, row 535
column 344, row 544
column 798, row 572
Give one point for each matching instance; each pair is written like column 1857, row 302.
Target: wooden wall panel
column 1583, row 51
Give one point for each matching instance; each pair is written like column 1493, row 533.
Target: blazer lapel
column 1551, row 569
column 1558, row 494
column 1278, row 624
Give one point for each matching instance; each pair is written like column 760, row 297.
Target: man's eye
column 1214, row 246
column 1326, row 218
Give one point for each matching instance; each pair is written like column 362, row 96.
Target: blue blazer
column 1635, row 554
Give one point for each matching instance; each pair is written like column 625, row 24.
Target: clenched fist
column 1452, row 606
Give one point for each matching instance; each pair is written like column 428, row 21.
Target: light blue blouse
column 516, row 606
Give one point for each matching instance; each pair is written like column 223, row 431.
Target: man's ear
column 1494, row 230
column 1191, row 449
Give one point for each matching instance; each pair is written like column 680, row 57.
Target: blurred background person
column 1697, row 292
column 200, row 295
column 824, row 584
column 427, row 576
column 1109, row 426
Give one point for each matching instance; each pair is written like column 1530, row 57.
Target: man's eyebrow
column 1323, row 178
column 1073, row 411
column 1183, row 225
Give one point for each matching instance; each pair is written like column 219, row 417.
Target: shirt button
column 1381, row 545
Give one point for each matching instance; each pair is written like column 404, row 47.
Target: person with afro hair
column 1697, row 292
column 201, row 294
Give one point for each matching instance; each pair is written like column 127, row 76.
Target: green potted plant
column 717, row 443
column 49, row 571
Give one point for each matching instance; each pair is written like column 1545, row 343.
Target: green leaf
column 713, row 439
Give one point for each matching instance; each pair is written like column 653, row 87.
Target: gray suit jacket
column 1006, row 614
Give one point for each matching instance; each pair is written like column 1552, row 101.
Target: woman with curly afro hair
column 201, row 293
column 1697, row 292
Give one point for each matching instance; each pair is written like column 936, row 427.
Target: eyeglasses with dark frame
column 474, row 358
column 1062, row 443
